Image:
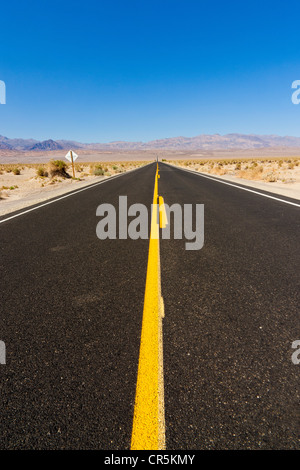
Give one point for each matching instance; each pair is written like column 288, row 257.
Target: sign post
column 72, row 156
column 72, row 163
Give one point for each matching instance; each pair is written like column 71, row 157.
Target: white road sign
column 68, row 156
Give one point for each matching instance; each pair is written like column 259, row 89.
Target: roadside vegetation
column 58, row 168
column 32, row 176
column 269, row 170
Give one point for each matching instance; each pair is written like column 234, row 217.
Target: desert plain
column 25, row 178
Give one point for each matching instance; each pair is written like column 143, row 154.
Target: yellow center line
column 148, row 432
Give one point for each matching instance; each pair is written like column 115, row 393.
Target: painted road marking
column 239, row 187
column 148, row 431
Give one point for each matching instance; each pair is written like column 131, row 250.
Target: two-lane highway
column 72, row 309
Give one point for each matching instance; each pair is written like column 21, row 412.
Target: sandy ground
column 85, row 156
column 13, row 156
column 278, row 176
column 26, row 189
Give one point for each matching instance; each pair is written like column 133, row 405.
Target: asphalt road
column 71, row 314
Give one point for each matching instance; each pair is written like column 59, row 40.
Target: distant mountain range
column 200, row 142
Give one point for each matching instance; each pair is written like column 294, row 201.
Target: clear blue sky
column 97, row 71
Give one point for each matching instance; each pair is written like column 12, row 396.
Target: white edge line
column 235, row 185
column 75, row 191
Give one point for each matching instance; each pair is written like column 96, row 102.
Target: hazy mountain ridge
column 47, row 145
column 200, row 142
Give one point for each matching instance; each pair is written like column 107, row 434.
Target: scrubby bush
column 41, row 171
column 271, row 178
column 78, row 167
column 58, row 168
column 98, row 170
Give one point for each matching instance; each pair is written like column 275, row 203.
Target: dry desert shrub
column 271, row 178
column 11, row 168
column 79, row 167
column 42, row 172
column 252, row 173
column 262, row 169
column 98, row 170
column 58, row 168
